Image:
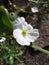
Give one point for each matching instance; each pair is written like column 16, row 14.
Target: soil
column 31, row 56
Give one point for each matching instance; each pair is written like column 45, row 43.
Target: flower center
column 24, row 32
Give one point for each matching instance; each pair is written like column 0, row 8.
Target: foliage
column 8, row 51
column 4, row 21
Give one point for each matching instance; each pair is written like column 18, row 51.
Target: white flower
column 24, row 33
column 34, row 9
column 2, row 39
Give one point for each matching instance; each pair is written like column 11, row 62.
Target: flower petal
column 33, row 35
column 29, row 27
column 29, row 38
column 34, row 9
column 16, row 33
column 21, row 20
column 20, row 23
column 22, row 41
column 16, row 26
column 20, row 38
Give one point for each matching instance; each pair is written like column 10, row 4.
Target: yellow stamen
column 24, row 32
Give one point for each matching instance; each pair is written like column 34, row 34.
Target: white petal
column 18, row 20
column 21, row 26
column 29, row 38
column 21, row 20
column 33, row 31
column 16, row 33
column 29, row 27
column 19, row 38
column 16, row 26
column 22, row 41
column 34, row 9
column 20, row 23
column 33, row 35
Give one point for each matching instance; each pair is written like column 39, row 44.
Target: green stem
column 38, row 1
column 40, row 49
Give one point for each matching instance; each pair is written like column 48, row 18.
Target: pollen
column 24, row 32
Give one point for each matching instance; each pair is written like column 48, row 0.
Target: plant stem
column 40, row 49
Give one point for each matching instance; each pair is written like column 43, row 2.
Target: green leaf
column 5, row 24
column 11, row 60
